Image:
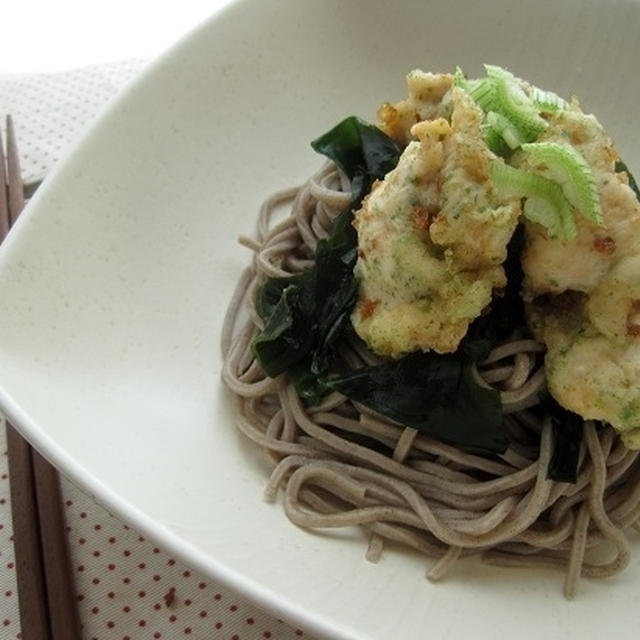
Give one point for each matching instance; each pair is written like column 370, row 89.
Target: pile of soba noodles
column 340, row 464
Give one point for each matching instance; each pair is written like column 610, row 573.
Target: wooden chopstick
column 45, row 587
column 4, row 195
column 14, row 175
column 63, row 612
column 32, row 592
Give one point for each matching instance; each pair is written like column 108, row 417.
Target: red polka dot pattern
column 127, row 587
column 9, row 612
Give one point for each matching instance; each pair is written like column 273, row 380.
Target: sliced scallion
column 499, row 73
column 513, row 103
column 484, row 93
column 510, row 133
column 552, row 213
column 545, row 201
column 459, row 79
column 547, row 100
column 494, row 140
column 566, row 166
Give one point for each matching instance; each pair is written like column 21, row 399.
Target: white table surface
column 55, row 35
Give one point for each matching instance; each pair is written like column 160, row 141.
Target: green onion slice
column 459, row 79
column 493, row 138
column 484, row 93
column 513, row 103
column 545, row 201
column 547, row 100
column 567, row 166
column 507, row 130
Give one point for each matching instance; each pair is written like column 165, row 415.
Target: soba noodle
column 341, row 465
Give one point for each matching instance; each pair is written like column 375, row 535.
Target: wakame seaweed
column 306, row 314
column 567, row 430
column 435, row 394
column 360, row 149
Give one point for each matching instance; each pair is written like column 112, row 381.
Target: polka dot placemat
column 51, row 110
column 9, row 622
column 126, row 588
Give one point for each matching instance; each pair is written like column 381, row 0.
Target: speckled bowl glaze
column 115, row 280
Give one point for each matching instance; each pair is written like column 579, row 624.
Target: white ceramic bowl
column 114, row 282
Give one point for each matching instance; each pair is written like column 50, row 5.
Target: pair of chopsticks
column 45, row 586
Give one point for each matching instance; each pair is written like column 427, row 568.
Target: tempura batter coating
column 428, row 99
column 587, row 290
column 432, row 237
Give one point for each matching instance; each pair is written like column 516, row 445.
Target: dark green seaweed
column 567, row 430
column 435, row 394
column 305, row 315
